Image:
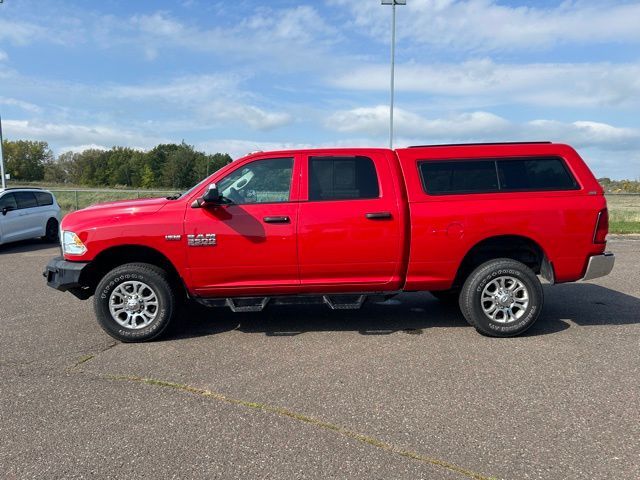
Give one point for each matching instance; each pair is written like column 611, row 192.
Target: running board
column 334, row 302
column 250, row 304
column 344, row 302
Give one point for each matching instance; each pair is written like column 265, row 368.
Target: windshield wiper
column 175, row 196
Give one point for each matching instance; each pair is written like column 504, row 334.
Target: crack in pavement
column 90, row 356
column 85, row 357
column 300, row 418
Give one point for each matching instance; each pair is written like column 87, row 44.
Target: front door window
column 263, row 181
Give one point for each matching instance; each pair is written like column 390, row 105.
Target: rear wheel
column 134, row 302
column 51, row 231
column 501, row 298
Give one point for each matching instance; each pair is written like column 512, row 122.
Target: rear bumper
column 63, row 275
column 599, row 266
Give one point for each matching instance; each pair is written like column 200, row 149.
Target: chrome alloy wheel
column 133, row 304
column 504, row 299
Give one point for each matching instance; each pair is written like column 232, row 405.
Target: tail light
column 602, row 227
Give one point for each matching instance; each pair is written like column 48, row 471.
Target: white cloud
column 76, row 134
column 482, row 127
column 3, row 56
column 237, row 148
column 82, row 148
column 287, row 37
column 609, row 150
column 486, row 82
column 215, row 99
column 485, row 25
column 26, row 106
column 20, row 33
column 187, row 89
column 301, row 24
column 375, row 121
column 250, row 115
column 157, row 24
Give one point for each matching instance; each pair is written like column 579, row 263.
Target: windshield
column 176, row 196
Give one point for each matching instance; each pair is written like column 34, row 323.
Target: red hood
column 146, row 205
column 111, row 212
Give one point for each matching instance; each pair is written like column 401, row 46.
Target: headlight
column 72, row 245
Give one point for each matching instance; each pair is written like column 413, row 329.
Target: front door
column 247, row 246
column 13, row 226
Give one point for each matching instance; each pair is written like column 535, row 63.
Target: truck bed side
column 446, row 228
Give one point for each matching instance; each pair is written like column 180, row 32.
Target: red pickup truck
column 476, row 223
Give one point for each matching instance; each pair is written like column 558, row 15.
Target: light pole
column 4, row 180
column 393, row 4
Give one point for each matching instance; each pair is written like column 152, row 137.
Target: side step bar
column 334, row 302
column 344, row 302
column 239, row 305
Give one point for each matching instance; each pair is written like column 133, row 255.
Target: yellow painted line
column 305, row 419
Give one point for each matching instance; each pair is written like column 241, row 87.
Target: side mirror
column 6, row 210
column 212, row 195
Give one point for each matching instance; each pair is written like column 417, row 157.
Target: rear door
column 350, row 225
column 254, row 250
column 29, row 212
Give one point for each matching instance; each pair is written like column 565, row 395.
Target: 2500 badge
column 201, row 240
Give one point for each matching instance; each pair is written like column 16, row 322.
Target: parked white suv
column 28, row 213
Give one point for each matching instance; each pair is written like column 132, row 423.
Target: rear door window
column 26, row 200
column 342, row 178
column 44, row 198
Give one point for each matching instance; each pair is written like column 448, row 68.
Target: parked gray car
column 28, row 213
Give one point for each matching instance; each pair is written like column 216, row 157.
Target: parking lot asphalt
column 402, row 389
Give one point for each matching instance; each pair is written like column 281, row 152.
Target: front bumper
column 63, row 275
column 599, row 266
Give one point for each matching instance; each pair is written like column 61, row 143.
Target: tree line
column 170, row 166
column 620, row 186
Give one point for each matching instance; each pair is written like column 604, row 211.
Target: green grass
column 624, row 213
column 624, row 227
column 70, row 201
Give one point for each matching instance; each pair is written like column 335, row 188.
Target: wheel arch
column 113, row 257
column 514, row 246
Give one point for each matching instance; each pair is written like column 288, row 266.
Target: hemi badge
column 173, row 238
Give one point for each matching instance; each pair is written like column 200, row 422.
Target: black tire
column 51, row 231
column 157, row 282
column 488, row 275
column 448, row 297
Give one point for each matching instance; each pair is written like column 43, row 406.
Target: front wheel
column 134, row 302
column 501, row 298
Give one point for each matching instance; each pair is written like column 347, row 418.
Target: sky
column 245, row 75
